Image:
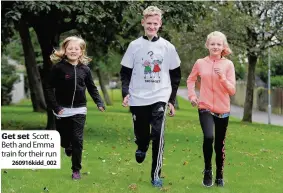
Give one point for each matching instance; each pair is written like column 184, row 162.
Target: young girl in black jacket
column 65, row 90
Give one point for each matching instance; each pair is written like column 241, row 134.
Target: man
column 150, row 76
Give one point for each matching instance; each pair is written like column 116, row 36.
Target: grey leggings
column 208, row 122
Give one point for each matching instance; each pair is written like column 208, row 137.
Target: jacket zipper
column 75, row 85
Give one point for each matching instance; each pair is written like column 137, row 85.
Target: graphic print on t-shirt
column 147, row 69
column 152, row 67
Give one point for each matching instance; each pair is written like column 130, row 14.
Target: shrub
column 240, row 72
column 8, row 78
column 261, row 98
column 276, row 81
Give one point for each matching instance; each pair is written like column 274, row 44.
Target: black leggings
column 207, row 122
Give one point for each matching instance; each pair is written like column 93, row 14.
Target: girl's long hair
column 226, row 51
column 59, row 55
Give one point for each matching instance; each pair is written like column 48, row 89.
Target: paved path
column 236, row 111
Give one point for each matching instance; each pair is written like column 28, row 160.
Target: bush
column 276, row 81
column 240, row 72
column 8, row 78
column 261, row 98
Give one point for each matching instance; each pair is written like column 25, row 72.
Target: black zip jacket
column 66, row 85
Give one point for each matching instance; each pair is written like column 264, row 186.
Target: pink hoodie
column 214, row 92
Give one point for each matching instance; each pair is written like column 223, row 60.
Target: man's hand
column 125, row 101
column 171, row 110
column 60, row 112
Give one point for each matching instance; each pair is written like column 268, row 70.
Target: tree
column 276, row 64
column 99, row 23
column 15, row 51
column 177, row 20
column 12, row 16
column 266, row 31
column 122, row 25
column 49, row 20
column 8, row 78
column 100, row 41
column 251, row 27
column 35, row 85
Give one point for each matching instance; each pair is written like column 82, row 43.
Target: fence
column 260, row 98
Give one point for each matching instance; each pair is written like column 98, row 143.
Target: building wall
column 18, row 92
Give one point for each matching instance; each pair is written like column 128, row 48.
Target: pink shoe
column 76, row 175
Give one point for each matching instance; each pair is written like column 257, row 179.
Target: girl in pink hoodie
column 217, row 75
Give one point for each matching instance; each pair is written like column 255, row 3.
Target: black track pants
column 149, row 123
column 71, row 132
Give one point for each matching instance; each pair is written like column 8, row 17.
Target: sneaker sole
column 157, row 186
column 206, row 185
column 219, row 185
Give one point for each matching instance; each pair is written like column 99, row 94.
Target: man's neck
column 151, row 38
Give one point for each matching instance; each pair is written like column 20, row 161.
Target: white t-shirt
column 151, row 62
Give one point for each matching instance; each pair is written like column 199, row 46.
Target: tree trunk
column 248, row 106
column 103, row 88
column 47, row 41
column 35, row 85
column 48, row 30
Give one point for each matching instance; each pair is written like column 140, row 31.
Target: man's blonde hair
column 151, row 11
column 226, row 51
column 59, row 55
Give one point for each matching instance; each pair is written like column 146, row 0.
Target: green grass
column 253, row 155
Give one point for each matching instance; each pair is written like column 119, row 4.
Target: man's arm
column 175, row 76
column 126, row 75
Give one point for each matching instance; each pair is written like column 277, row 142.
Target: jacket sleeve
column 175, row 76
column 229, row 82
column 191, row 82
column 126, row 75
column 49, row 87
column 92, row 90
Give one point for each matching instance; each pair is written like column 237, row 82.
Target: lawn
column 253, row 155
